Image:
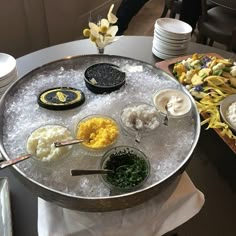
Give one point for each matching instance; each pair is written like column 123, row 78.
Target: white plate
column 173, row 26
column 5, row 209
column 161, row 55
column 172, row 41
column 164, row 44
column 7, row 64
column 170, row 52
column 224, row 105
column 170, row 35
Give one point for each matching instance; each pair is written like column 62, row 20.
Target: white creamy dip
column 41, row 142
column 174, row 101
column 140, row 117
column 231, row 114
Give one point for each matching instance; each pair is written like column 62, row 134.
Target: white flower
column 110, row 16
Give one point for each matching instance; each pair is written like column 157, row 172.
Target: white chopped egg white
column 231, row 114
column 41, row 142
column 140, row 117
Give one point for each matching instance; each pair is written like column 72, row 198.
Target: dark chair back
column 218, row 23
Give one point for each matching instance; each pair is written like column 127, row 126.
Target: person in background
column 126, row 11
column 190, row 12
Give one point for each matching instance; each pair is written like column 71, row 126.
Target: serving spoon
column 90, row 172
column 97, row 171
column 166, row 119
column 11, row 162
column 70, row 142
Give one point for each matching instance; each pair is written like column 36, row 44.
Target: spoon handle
column 68, row 142
column 89, row 172
column 7, row 163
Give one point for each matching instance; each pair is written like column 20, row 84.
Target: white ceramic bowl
column 166, row 54
column 170, row 52
column 161, row 55
column 158, row 44
column 224, row 105
column 173, row 27
column 172, row 36
column 157, row 34
column 170, row 44
column 7, row 65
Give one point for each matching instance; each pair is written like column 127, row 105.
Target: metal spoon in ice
column 70, row 142
column 7, row 163
column 96, row 171
column 90, row 172
column 166, row 119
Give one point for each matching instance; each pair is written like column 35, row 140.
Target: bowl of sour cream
column 228, row 111
column 172, row 102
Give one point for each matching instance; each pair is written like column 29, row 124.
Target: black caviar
column 129, row 169
column 105, row 74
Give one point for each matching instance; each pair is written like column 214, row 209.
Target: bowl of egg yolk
column 97, row 131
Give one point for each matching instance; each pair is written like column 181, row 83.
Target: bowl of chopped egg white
column 228, row 111
column 98, row 131
column 139, row 118
column 40, row 143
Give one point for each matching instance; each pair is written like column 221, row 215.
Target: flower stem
column 100, row 50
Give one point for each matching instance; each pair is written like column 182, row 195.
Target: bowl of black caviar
column 130, row 168
column 104, row 78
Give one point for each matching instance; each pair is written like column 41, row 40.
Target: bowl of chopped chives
column 130, row 166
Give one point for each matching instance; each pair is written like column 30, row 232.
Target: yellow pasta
column 209, row 86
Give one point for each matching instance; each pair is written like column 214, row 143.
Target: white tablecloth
column 161, row 214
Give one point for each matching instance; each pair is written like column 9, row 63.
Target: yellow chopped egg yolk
column 99, row 132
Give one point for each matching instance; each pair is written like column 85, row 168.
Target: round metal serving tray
column 169, row 148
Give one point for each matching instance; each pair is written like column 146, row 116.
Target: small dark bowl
column 107, row 77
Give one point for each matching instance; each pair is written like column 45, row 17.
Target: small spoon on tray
column 70, row 142
column 90, row 172
column 11, row 162
column 166, row 119
column 97, row 171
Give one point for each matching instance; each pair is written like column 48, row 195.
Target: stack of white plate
column 8, row 72
column 171, row 38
